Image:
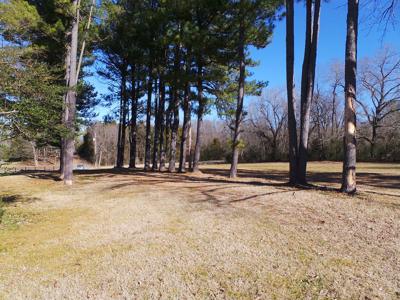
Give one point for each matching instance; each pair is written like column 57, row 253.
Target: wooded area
column 168, row 60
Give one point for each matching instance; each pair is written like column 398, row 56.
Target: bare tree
column 383, row 13
column 104, row 143
column 322, row 122
column 380, row 80
column 268, row 118
column 336, row 83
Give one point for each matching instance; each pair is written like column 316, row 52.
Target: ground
column 135, row 235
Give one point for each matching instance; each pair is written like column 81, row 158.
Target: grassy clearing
column 143, row 235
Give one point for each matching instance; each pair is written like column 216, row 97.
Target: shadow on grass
column 326, row 178
column 217, row 178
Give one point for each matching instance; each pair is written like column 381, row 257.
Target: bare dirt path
column 135, row 235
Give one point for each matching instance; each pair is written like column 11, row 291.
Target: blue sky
column 331, row 44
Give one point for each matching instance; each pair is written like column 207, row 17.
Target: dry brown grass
column 135, row 235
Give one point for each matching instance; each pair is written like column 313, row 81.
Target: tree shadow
column 46, row 175
column 318, row 180
column 8, row 199
column 213, row 180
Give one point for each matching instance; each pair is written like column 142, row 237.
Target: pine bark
column 349, row 140
column 185, row 129
column 70, row 105
column 307, row 85
column 162, row 124
column 67, row 74
column 200, row 115
column 189, row 148
column 122, row 122
column 239, row 106
column 168, row 125
column 175, row 112
column 292, row 124
column 154, row 166
column 174, row 131
column 134, row 109
column 147, row 155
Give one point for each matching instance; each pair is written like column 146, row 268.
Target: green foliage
column 86, row 149
column 86, row 102
column 214, row 150
column 19, row 20
column 30, row 99
column 33, row 69
column 226, row 93
column 16, row 149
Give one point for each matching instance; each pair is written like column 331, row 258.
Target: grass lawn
column 135, row 235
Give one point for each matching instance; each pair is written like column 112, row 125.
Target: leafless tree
column 323, row 120
column 383, row 13
column 380, row 80
column 335, row 80
column 268, row 119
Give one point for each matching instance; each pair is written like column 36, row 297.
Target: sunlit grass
column 159, row 235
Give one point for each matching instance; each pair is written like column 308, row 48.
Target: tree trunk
column 373, row 138
column 62, row 156
column 175, row 111
column 239, row 108
column 35, row 154
column 134, row 108
column 274, row 146
column 118, row 160
column 70, row 105
column 124, row 116
column 292, row 124
column 67, row 74
column 162, row 124
column 122, row 121
column 189, row 149
column 174, row 132
column 334, row 116
column 156, row 128
column 95, row 149
column 307, row 85
column 147, row 155
column 168, row 125
column 100, row 156
column 349, row 162
column 200, row 115
column 185, row 129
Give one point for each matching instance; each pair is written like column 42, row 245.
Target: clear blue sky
column 272, row 67
column 331, row 43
